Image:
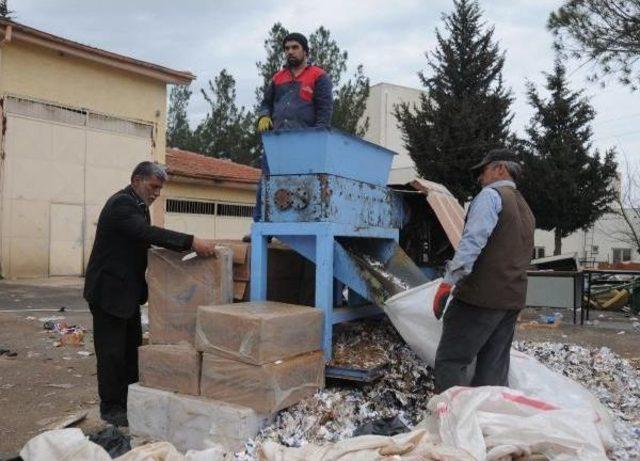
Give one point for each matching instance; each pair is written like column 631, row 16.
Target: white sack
column 412, row 446
column 63, row 445
column 411, row 313
column 490, row 422
column 72, row 445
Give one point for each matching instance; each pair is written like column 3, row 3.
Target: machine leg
column 258, row 265
column 324, row 288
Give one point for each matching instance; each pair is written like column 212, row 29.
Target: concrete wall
column 61, row 161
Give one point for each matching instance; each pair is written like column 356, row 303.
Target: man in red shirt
column 300, row 94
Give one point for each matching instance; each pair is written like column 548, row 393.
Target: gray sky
column 388, row 37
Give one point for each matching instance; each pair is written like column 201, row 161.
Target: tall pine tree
column 567, row 186
column 465, row 111
column 349, row 97
column 179, row 133
column 227, row 131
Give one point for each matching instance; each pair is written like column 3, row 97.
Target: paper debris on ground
column 334, row 413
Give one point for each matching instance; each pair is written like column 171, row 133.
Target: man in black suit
column 115, row 284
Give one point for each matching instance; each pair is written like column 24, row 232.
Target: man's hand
column 440, row 300
column 264, row 124
column 203, row 247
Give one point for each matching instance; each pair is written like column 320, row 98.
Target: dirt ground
column 43, row 384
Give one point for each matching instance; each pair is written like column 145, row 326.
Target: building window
column 594, row 249
column 208, row 208
column 240, row 211
column 190, row 207
column 621, row 255
column 538, row 252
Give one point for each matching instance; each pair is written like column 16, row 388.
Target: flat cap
column 496, row 155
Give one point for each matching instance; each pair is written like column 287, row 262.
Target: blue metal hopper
column 326, row 151
column 326, row 197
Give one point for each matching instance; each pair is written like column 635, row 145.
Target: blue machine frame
column 317, row 242
column 325, row 185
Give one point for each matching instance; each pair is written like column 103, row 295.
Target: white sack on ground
column 412, row 315
column 469, row 424
column 491, row 422
column 413, row 446
column 72, row 445
column 63, row 445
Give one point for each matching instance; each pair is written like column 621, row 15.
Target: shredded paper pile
column 336, row 412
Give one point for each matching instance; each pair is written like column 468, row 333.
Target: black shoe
column 116, row 417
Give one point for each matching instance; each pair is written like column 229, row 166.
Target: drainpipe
column 6, row 39
column 7, row 35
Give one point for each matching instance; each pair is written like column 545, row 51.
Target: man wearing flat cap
column 487, row 279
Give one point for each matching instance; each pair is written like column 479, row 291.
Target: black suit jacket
column 115, row 277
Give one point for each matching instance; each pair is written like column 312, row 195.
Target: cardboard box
column 177, row 288
column 170, row 367
column 265, row 388
column 258, row 332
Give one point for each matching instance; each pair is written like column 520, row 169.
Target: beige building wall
column 38, row 73
column 61, row 160
column 216, row 226
column 383, row 126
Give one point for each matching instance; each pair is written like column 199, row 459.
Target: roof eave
column 32, row 36
column 238, row 183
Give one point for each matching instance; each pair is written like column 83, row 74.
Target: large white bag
column 411, row 313
column 492, row 422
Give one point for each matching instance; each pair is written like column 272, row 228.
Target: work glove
column 264, row 124
column 441, row 298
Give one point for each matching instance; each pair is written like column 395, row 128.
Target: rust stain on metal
column 283, row 199
column 325, row 190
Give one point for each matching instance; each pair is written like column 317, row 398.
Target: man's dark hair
column 147, row 169
column 297, row 37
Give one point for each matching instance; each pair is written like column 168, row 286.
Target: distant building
column 75, row 121
column 383, row 126
column 208, row 197
column 603, row 243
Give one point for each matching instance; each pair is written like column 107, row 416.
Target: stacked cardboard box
column 177, row 288
column 263, row 355
column 215, row 371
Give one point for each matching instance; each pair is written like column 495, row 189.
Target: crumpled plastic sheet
column 612, row 379
column 334, row 413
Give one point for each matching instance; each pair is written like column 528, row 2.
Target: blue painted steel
column 316, row 242
column 346, row 314
column 320, row 197
column 352, row 374
column 345, row 269
column 326, row 151
column 323, row 186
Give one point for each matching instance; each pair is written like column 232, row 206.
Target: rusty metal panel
column 329, row 198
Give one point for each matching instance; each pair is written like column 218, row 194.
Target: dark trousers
column 116, row 342
column 471, row 332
